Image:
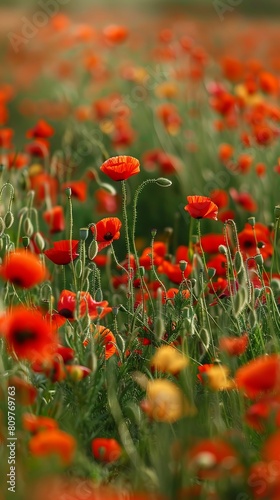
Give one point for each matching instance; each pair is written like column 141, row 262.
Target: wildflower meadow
column 139, row 251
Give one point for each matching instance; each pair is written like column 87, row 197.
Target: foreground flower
column 212, row 459
column 165, row 402
column 23, row 269
column 201, row 207
column 106, row 450
column 28, row 335
column 120, row 168
column 63, row 252
column 53, row 442
column 261, row 375
column 106, row 231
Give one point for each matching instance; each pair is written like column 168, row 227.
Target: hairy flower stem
column 130, row 290
column 70, row 215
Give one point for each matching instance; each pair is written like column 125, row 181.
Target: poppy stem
column 125, row 218
column 70, row 213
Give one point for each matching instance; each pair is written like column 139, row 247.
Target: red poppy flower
column 39, row 147
column 44, row 184
column 263, row 411
column 63, row 252
column 67, row 305
column 42, row 130
column 54, row 217
column 36, row 423
column 106, row 202
column 201, row 207
column 120, row 168
column 78, row 188
column 225, row 152
column 23, row 269
column 28, row 335
column 245, row 200
column 106, row 450
column 219, row 452
column 234, row 346
column 115, row 34
column 17, row 160
column 6, row 135
column 219, row 197
column 211, row 242
column 261, row 375
column 247, row 240
column 106, row 231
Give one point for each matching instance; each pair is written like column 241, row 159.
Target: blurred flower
column 106, row 202
column 54, row 217
column 245, row 200
column 36, row 423
column 261, row 375
column 263, row 412
column 107, row 338
column 23, row 269
column 63, row 252
column 41, row 130
column 201, row 207
column 165, row 402
column 53, row 442
column 67, row 305
column 211, row 459
column 6, row 136
column 28, row 335
column 106, row 450
column 168, row 359
column 115, row 34
column 234, row 346
column 217, row 377
column 120, row 168
column 78, row 189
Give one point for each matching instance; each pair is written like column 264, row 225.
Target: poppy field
column 139, row 254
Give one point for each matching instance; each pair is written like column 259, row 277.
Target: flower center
column 108, row 236
column 22, row 336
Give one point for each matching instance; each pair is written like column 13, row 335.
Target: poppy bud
column 9, row 219
column 222, row 249
column 277, row 211
column 252, row 221
column 68, row 192
column 259, row 259
column 92, row 250
column 39, row 241
column 78, row 268
column 2, row 226
column 238, row 262
column 83, row 233
column 183, row 265
column 142, row 271
column 153, row 232
column 28, row 227
column 25, row 241
column 163, row 182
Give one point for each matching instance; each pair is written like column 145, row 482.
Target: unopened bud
column 183, row 265
column 9, row 219
column 92, row 250
column 83, row 233
column 222, row 249
column 277, row 211
column 163, row 182
column 252, row 221
column 68, row 192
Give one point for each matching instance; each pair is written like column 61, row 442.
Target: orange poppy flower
column 106, row 450
column 37, row 423
column 17, row 160
column 201, row 207
column 219, row 197
column 106, row 231
column 53, row 442
column 23, row 269
column 28, row 335
column 115, row 34
column 108, row 339
column 41, row 130
column 63, row 252
column 54, row 217
column 234, row 346
column 264, row 480
column 120, row 168
column 261, row 375
column 232, row 68
column 78, row 188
